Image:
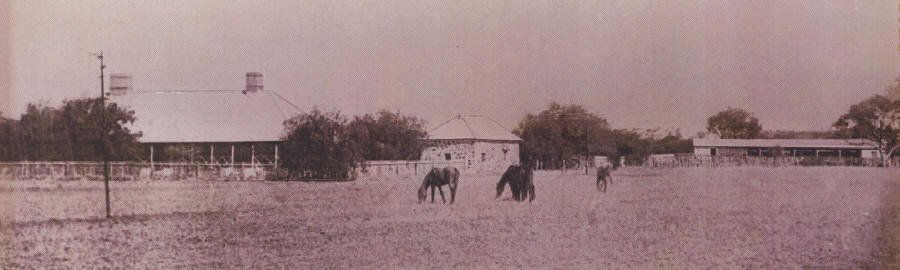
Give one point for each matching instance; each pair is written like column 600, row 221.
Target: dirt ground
column 760, row 218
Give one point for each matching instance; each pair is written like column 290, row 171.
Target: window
column 483, row 157
column 447, row 156
column 712, row 151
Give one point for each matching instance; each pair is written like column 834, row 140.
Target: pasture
column 769, row 218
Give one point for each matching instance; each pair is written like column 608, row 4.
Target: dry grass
column 771, row 218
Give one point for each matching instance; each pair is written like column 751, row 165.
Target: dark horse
column 603, row 176
column 520, row 180
column 437, row 178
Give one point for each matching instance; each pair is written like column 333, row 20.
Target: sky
column 796, row 65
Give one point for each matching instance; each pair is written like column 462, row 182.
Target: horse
column 437, row 178
column 603, row 176
column 520, row 180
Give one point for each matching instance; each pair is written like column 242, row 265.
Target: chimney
column 119, row 84
column 254, row 82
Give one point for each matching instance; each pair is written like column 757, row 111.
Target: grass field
column 768, row 218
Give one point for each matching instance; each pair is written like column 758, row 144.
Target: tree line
column 72, row 132
column 326, row 144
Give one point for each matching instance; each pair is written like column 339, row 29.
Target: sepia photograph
column 397, row 134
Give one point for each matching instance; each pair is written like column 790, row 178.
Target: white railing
column 81, row 170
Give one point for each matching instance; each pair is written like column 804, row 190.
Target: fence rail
column 737, row 161
column 404, row 167
column 127, row 171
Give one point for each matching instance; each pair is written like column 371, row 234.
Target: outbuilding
column 803, row 148
column 477, row 141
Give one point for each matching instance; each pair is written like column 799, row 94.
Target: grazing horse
column 520, row 180
column 437, row 178
column 603, row 176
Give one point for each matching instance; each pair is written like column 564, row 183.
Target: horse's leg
column 515, row 190
column 531, row 191
column 453, row 193
column 441, row 189
column 432, row 193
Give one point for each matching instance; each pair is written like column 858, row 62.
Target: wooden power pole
column 103, row 134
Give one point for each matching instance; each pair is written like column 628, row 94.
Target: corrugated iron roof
column 207, row 116
column 822, row 143
column 472, row 127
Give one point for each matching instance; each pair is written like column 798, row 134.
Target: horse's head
column 422, row 195
column 425, row 182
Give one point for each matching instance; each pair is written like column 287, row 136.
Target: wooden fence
column 403, row 167
column 129, row 171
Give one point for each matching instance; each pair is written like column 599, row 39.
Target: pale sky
column 641, row 64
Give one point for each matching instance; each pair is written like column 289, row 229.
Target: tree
column 561, row 132
column 893, row 91
column 388, row 136
column 9, row 139
column 319, row 145
column 82, row 122
column 671, row 144
column 734, row 123
column 73, row 132
column 876, row 119
column 804, row 134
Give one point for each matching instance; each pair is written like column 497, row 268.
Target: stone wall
column 477, row 155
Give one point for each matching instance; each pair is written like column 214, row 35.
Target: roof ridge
column 182, row 91
column 442, row 124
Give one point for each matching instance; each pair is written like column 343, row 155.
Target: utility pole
column 103, row 133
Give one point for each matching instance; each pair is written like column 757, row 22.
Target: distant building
column 476, row 141
column 206, row 125
column 764, row 147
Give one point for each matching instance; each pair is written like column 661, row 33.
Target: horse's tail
column 453, row 183
column 454, row 177
column 529, row 183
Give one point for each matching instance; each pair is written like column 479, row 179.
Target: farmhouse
column 475, row 140
column 806, row 148
column 221, row 126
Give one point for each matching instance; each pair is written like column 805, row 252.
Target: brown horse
column 520, row 180
column 603, row 176
column 437, row 178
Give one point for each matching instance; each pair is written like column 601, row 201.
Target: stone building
column 476, row 142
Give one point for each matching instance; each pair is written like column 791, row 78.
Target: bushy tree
column 734, row 123
column 388, row 136
column 319, row 145
column 562, row 132
column 671, row 144
column 892, row 92
column 10, row 143
column 73, row 132
column 790, row 134
column 876, row 119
